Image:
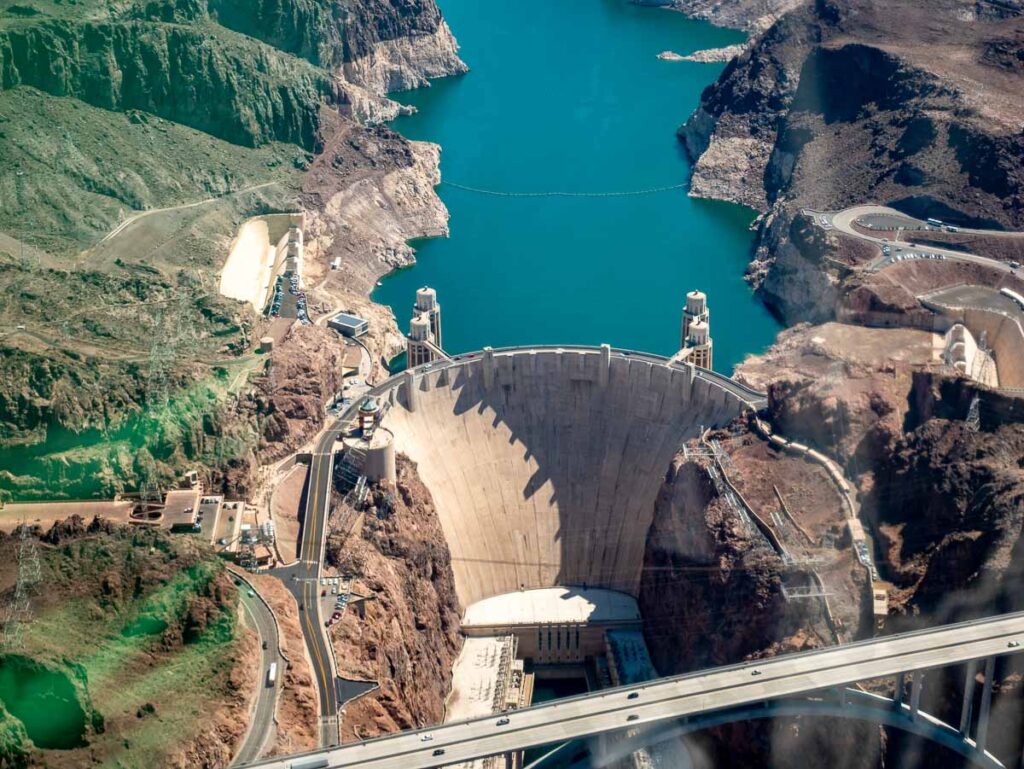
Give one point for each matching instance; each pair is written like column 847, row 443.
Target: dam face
column 545, row 464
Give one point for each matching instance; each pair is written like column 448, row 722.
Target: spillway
column 544, row 464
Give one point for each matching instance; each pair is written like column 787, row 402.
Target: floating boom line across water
column 561, row 194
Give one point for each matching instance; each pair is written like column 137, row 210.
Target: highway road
column 303, row 580
column 262, row 723
column 679, row 696
column 843, row 222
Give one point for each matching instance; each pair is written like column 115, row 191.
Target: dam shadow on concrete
column 547, row 474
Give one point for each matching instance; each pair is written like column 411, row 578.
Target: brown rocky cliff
column 710, row 594
column 406, row 635
column 891, row 87
column 304, row 371
column 948, row 502
column 710, row 590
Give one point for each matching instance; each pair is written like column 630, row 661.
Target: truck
column 935, row 222
column 272, row 674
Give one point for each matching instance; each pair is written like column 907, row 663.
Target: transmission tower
column 18, row 610
column 173, row 338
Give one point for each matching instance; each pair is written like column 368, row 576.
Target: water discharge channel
column 570, row 221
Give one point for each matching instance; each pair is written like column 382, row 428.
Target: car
column 501, row 722
column 323, row 593
column 755, row 672
column 1013, row 644
column 633, row 717
column 1015, row 265
column 632, row 695
column 265, row 645
column 222, row 541
column 251, row 593
column 438, row 752
column 426, row 737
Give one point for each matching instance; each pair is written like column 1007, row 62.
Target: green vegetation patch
column 73, row 171
column 132, row 641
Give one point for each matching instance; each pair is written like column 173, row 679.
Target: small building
column 349, row 325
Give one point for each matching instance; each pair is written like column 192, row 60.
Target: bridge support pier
column 967, row 708
column 901, row 682
column 916, row 681
column 981, row 736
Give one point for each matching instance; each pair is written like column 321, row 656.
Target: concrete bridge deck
column 710, row 693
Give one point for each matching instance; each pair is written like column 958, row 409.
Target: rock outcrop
column 871, row 82
column 304, row 372
column 404, row 635
column 711, row 595
column 752, row 15
column 710, row 589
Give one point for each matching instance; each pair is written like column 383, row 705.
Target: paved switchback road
column 843, row 222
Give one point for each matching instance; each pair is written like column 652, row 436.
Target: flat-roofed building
column 349, row 325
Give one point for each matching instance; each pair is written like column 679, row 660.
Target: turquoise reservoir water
column 568, row 95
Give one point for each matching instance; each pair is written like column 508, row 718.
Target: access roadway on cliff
column 889, row 219
column 808, row 683
column 303, row 578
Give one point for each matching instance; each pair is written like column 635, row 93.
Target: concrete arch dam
column 545, row 463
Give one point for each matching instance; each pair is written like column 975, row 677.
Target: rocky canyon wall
column 844, row 103
column 405, row 635
column 711, row 595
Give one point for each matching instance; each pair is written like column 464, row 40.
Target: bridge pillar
column 917, row 679
column 488, row 364
column 966, row 709
column 981, row 737
column 605, row 365
column 411, row 396
column 901, row 681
